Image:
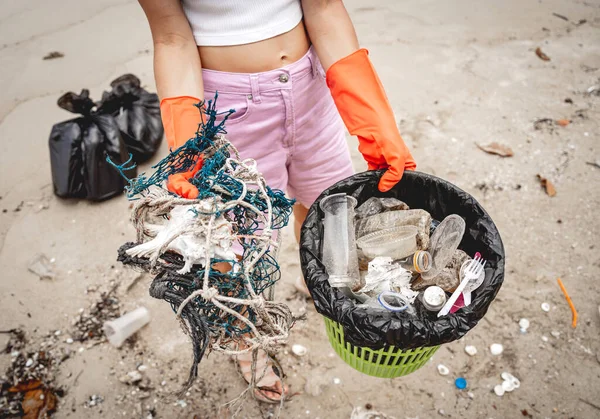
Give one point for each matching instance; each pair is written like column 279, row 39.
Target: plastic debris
column 546, row 307
column 524, row 325
column 299, row 350
column 362, row 413
column 508, row 386
column 336, row 381
column 499, row 390
column 496, row 349
column 460, row 383
column 443, row 370
column 119, row 330
column 40, row 265
column 443, row 243
column 509, row 383
column 506, row 376
column 571, row 305
column 470, row 350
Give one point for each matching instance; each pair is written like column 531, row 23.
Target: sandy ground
column 457, row 73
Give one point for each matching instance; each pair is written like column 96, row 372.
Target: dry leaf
column 26, row 386
column 495, row 148
column 38, row 404
column 52, row 55
column 541, row 54
column 546, row 184
column 563, row 122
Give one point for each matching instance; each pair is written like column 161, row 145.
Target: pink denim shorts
column 286, row 120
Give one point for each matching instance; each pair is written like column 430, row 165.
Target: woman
column 284, row 66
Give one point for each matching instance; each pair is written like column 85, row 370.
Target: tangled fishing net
column 185, row 243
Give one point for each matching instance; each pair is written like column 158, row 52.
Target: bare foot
column 268, row 387
column 300, row 286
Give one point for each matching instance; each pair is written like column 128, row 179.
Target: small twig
column 593, row 163
column 561, row 16
column 77, row 378
column 589, row 403
column 564, row 290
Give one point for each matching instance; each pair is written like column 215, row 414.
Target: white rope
column 271, row 328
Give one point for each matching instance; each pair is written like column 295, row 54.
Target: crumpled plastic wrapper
column 385, row 276
column 449, row 278
column 374, row 206
column 415, row 217
column 376, row 328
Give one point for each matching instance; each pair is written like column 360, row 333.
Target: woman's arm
column 178, row 76
column 356, row 90
column 330, row 30
column 177, row 68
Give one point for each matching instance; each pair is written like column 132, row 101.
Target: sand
column 457, row 73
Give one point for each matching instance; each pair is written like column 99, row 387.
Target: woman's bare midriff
column 257, row 57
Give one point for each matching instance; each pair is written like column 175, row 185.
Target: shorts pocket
column 240, row 103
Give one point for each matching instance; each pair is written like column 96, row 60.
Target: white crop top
column 237, row 22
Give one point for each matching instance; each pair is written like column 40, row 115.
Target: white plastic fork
column 472, row 272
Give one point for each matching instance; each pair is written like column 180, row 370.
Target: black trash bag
column 78, row 151
column 137, row 113
column 376, row 329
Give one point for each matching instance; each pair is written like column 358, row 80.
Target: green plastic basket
column 388, row 362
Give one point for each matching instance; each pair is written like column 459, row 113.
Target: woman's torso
column 215, row 41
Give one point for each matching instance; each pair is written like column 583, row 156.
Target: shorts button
column 250, row 97
column 284, row 78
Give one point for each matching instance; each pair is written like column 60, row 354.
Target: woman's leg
column 300, row 212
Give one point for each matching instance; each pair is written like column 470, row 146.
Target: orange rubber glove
column 181, row 119
column 363, row 105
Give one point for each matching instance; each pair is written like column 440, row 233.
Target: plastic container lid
column 444, row 242
column 395, row 242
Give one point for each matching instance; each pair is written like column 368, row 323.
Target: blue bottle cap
column 460, row 383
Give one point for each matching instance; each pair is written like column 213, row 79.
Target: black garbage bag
column 137, row 113
column 78, row 151
column 376, row 329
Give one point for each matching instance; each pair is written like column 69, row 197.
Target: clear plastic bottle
column 417, row 263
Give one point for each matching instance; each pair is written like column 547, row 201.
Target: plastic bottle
column 433, row 298
column 419, row 262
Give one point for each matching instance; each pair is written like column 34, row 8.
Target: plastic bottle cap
column 499, row 390
column 443, row 370
column 470, row 350
column 460, row 383
column 496, row 349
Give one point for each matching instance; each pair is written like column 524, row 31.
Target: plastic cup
column 339, row 242
column 118, row 330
